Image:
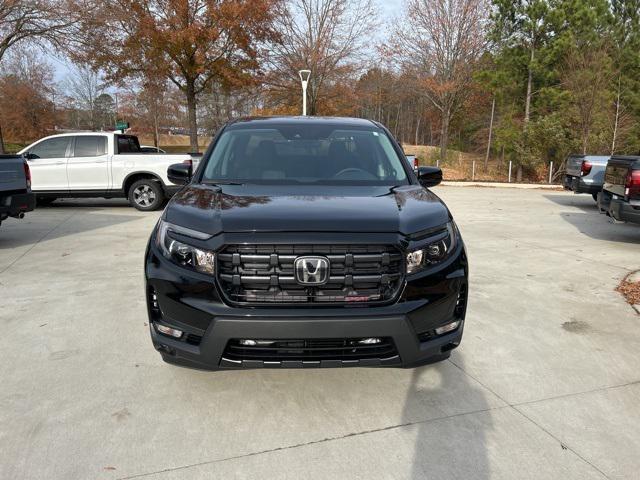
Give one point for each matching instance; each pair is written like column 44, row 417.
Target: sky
column 387, row 8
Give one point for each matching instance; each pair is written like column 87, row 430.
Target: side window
column 90, row 146
column 52, row 148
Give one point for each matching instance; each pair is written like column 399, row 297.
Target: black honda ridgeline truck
column 305, row 242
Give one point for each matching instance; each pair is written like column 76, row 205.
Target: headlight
column 183, row 254
column 434, row 252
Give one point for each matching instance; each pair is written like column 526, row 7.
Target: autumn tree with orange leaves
column 33, row 22
column 192, row 43
column 26, row 97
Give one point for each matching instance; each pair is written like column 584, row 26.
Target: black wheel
column 146, row 195
column 45, row 201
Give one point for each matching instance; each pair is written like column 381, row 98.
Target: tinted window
column 308, row 154
column 52, row 148
column 90, row 146
column 128, row 144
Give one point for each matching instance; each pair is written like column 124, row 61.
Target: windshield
column 305, row 154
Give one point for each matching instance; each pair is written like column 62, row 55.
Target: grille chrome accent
column 264, row 274
column 345, row 350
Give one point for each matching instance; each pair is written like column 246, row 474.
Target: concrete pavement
column 545, row 384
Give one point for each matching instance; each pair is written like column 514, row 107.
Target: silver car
column 585, row 173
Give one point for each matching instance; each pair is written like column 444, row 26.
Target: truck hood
column 268, row 208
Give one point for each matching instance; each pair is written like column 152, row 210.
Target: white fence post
column 473, row 171
column 550, row 171
column 509, row 171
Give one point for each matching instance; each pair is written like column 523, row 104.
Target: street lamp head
column 304, row 75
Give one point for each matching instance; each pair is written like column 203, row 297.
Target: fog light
column 369, row 341
column 172, row 332
column 449, row 327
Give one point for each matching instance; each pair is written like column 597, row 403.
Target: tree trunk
column 156, row 137
column 417, row 130
column 617, row 119
column 1, row 142
column 486, row 158
column 444, row 135
column 527, row 105
column 193, row 122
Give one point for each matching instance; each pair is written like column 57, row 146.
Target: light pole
column 304, row 78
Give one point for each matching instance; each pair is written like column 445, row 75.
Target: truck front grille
column 264, row 274
column 311, row 352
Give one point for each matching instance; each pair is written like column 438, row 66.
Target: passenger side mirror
column 30, row 156
column 180, row 173
column 429, row 176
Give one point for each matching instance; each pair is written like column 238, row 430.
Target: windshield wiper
column 392, row 189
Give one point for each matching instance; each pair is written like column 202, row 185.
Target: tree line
column 527, row 81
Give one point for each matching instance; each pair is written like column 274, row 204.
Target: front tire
column 146, row 195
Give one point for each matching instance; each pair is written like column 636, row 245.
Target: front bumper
column 14, row 204
column 192, row 303
column 617, row 208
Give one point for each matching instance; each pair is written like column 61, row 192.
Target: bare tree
column 442, row 42
column 84, row 86
column 328, row 37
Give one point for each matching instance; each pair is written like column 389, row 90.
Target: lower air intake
column 311, row 352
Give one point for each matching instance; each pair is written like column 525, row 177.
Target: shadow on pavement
column 452, row 447
column 87, row 202
column 36, row 227
column 569, row 199
column 591, row 222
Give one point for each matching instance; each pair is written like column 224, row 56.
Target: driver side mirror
column 180, row 173
column 30, row 156
column 429, row 176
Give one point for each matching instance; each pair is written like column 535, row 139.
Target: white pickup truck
column 100, row 164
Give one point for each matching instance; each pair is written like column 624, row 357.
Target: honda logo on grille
column 312, row 270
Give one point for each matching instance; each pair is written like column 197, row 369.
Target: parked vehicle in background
column 305, row 242
column 16, row 197
column 150, row 149
column 100, row 164
column 413, row 161
column 620, row 195
column 585, row 173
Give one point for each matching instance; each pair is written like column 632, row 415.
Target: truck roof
column 83, row 133
column 580, row 155
column 256, row 122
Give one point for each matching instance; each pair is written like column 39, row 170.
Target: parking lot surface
column 544, row 386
